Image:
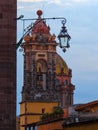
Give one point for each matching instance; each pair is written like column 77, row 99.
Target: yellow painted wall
column 22, row 108
column 30, row 112
column 51, row 126
column 38, row 106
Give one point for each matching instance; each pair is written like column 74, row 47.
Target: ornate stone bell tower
column 47, row 78
column 40, row 65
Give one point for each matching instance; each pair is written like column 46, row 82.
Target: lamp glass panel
column 64, row 41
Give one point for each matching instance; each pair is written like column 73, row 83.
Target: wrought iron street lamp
column 64, row 37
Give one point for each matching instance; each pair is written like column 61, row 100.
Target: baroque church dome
column 61, row 66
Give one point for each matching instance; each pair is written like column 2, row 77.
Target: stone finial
column 39, row 13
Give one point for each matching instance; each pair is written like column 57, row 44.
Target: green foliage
column 58, row 111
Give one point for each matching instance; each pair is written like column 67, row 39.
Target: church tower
column 8, row 13
column 47, row 78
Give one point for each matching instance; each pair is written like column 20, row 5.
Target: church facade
column 47, row 78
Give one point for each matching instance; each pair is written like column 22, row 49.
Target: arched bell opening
column 41, row 74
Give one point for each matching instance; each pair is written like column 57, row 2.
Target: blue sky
column 81, row 57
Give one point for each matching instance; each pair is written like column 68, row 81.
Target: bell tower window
column 41, row 74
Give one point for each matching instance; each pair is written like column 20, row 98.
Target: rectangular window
column 36, row 128
column 31, row 128
column 43, row 110
column 27, row 128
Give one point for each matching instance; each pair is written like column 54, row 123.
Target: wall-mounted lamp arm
column 21, row 18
